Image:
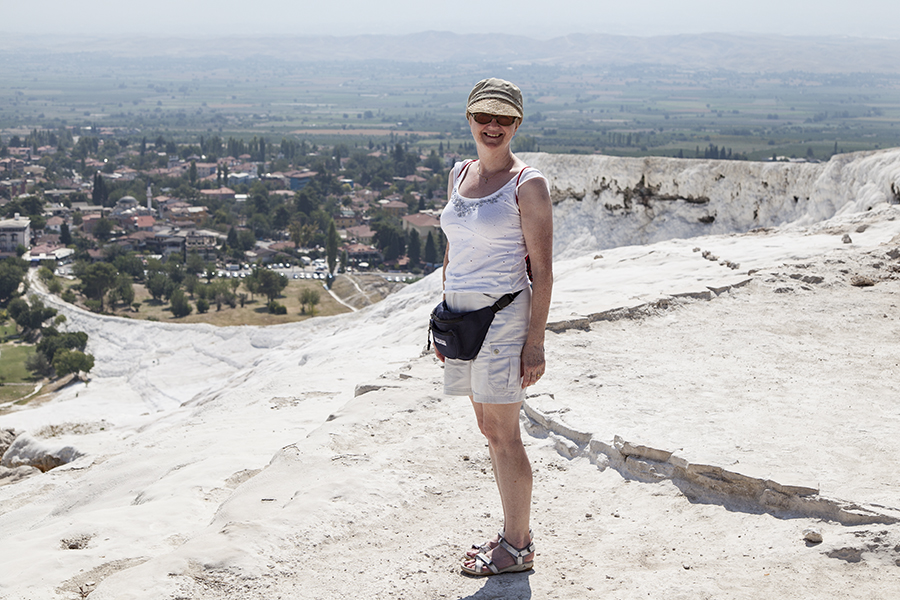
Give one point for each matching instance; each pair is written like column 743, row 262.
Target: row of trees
column 394, row 242
column 110, row 283
column 57, row 353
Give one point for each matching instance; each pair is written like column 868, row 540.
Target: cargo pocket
column 504, row 371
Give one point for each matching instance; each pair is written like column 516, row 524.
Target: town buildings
column 174, row 222
column 14, row 232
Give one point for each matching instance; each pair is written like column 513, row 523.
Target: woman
column 498, row 222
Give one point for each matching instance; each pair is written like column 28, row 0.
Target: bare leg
column 479, row 416
column 512, row 471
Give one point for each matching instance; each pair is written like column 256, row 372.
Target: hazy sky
column 533, row 18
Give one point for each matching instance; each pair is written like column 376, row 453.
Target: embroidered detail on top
column 464, row 208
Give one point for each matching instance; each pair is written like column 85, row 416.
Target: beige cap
column 495, row 97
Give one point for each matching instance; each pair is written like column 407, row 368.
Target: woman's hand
column 437, row 353
column 532, row 364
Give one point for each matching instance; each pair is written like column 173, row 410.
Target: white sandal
column 484, row 566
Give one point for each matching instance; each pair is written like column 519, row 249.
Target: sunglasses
column 484, row 119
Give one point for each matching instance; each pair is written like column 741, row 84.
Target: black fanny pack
column 460, row 335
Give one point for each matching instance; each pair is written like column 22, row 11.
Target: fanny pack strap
column 503, row 302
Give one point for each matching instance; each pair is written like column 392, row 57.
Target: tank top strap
column 518, row 179
column 462, row 170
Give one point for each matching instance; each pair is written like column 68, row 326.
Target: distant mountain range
column 746, row 53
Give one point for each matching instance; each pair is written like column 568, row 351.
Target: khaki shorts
column 495, row 375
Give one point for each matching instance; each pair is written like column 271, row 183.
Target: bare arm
column 537, row 227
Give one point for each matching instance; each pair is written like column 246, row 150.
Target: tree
column 331, row 246
column 30, row 318
column 16, row 308
column 12, row 271
column 38, row 221
column 433, row 162
column 96, row 279
column 251, row 282
column 72, row 361
column 414, row 248
column 394, row 248
column 261, row 227
column 192, row 172
column 281, row 218
column 194, row 265
column 180, row 305
column 301, row 233
column 270, row 283
column 65, row 237
column 129, row 264
column 100, row 194
column 190, row 284
column 123, row 291
column 222, row 292
column 37, row 363
column 388, row 232
column 156, row 285
column 174, row 268
column 52, row 341
column 246, row 239
column 103, row 229
column 430, row 250
column 309, row 298
column 232, row 240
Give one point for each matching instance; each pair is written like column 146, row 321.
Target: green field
column 16, row 380
column 12, row 363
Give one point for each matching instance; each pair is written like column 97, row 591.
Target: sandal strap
column 482, row 561
column 518, row 553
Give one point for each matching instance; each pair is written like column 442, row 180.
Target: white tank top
column 487, row 247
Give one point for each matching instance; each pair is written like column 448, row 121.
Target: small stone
column 861, row 281
column 813, row 535
column 846, row 239
column 686, row 567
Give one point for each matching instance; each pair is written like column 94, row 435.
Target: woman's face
column 492, row 134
